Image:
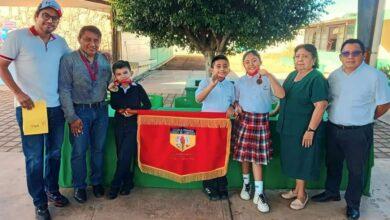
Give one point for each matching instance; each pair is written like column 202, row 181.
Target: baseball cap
column 51, row 4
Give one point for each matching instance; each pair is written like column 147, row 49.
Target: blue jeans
column 95, row 124
column 34, row 147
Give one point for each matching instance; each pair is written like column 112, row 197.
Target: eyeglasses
column 47, row 17
column 355, row 53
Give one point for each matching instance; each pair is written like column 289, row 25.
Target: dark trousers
column 43, row 155
column 218, row 184
column 353, row 145
column 126, row 145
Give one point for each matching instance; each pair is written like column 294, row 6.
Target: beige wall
column 70, row 24
column 385, row 42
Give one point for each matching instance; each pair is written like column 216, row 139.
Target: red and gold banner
column 183, row 146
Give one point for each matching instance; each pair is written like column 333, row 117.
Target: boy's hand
column 113, row 87
column 214, row 79
column 129, row 112
column 238, row 110
column 230, row 112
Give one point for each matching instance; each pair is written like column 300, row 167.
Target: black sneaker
column 57, row 199
column 211, row 193
column 113, row 193
column 42, row 213
column 98, row 191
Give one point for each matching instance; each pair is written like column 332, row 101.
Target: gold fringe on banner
column 183, row 121
column 183, row 178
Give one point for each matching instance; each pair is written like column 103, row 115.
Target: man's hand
column 76, row 127
column 24, row 100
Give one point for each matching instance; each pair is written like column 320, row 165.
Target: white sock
column 259, row 187
column 246, row 178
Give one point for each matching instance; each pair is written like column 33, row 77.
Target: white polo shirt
column 253, row 97
column 36, row 64
column 354, row 97
column 220, row 98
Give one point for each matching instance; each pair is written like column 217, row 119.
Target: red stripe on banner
column 184, row 114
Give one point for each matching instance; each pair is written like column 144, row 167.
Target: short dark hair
column 120, row 64
column 90, row 28
column 311, row 49
column 218, row 57
column 36, row 14
column 253, row 52
column 353, row 41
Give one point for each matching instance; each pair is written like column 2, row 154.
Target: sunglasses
column 355, row 53
column 47, row 17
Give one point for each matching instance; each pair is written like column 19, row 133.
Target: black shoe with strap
column 57, row 199
column 42, row 213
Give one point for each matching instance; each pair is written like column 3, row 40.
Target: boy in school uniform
column 217, row 95
column 126, row 98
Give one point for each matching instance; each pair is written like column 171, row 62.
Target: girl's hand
column 307, row 139
column 264, row 72
column 113, row 87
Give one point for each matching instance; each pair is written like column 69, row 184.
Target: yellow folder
column 35, row 120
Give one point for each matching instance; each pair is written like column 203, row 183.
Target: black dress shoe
column 211, row 193
column 42, row 213
column 125, row 189
column 80, row 195
column 57, row 199
column 113, row 193
column 325, row 197
column 353, row 213
column 98, row 191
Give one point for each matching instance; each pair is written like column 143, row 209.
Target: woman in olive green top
column 299, row 123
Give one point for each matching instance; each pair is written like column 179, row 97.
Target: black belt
column 343, row 127
column 92, row 105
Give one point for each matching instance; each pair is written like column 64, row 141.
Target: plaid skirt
column 252, row 138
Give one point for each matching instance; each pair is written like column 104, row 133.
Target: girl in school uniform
column 254, row 92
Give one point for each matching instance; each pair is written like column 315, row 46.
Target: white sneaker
column 262, row 204
column 246, row 192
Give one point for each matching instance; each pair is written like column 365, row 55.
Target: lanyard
column 92, row 69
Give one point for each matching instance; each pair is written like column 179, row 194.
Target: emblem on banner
column 182, row 139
